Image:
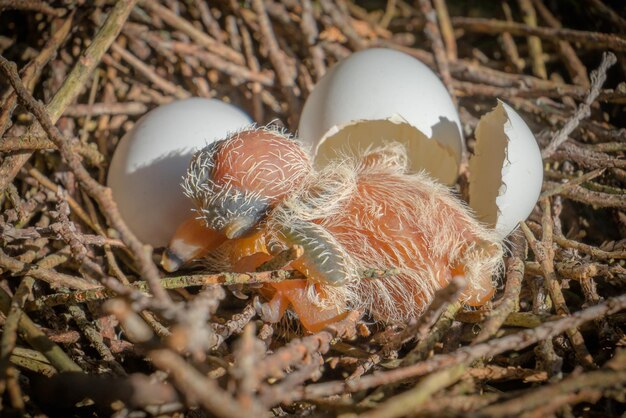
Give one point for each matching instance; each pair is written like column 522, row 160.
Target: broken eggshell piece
column 381, row 95
column 506, row 170
column 151, row 159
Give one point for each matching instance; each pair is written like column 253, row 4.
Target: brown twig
column 511, row 296
column 575, row 67
column 410, row 400
column 598, row 77
column 285, row 74
column 544, row 252
column 32, row 143
column 535, row 49
column 517, row 341
column 447, row 31
column 31, row 73
column 508, row 43
column 194, row 33
column 33, row 335
column 534, row 398
column 101, row 194
column 298, row 349
column 431, row 29
column 73, row 83
column 195, row 386
column 31, row 5
column 594, row 40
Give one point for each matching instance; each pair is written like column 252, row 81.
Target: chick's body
column 362, row 211
column 381, row 217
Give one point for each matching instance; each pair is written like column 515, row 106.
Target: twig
column 32, row 143
column 99, row 109
column 610, row 14
column 147, row 72
column 589, row 249
column 440, row 328
column 248, row 352
column 447, row 31
column 285, row 73
column 32, row 360
column 32, row 334
column 47, row 275
column 101, row 194
column 95, row 338
column 513, row 319
column 544, row 252
column 297, row 349
column 76, row 208
column 593, row 40
column 583, row 195
column 534, row 398
column 409, row 401
column 9, row 331
column 31, row 5
column 511, row 296
column 194, row 33
column 10, row 233
column 72, row 85
column 517, row 341
column 598, row 77
column 197, row 387
column 100, row 292
column 534, row 43
column 209, row 21
column 508, row 43
column 12, row 323
column 575, row 67
column 431, row 29
column 310, row 368
column 493, row 373
column 571, row 183
column 236, row 324
column 30, row 75
column 342, row 20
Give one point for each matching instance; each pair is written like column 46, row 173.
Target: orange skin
column 251, row 252
column 247, row 254
column 269, row 167
column 390, row 237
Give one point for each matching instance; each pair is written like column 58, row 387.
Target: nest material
column 550, row 344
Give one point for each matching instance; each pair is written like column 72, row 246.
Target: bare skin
column 366, row 213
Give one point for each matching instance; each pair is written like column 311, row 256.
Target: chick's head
column 236, row 181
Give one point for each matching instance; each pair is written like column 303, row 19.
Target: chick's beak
column 170, row 261
column 191, row 240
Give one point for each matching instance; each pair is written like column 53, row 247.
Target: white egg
column 380, row 95
column 506, row 171
column 151, row 159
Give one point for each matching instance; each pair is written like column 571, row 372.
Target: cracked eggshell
column 380, row 95
column 506, row 170
column 151, row 159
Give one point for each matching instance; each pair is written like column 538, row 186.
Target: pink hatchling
column 256, row 193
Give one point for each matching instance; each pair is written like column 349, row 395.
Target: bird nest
column 90, row 324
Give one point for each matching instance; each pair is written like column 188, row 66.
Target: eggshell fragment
column 506, row 171
column 381, row 95
column 151, row 159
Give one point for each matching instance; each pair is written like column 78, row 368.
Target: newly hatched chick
column 259, row 189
